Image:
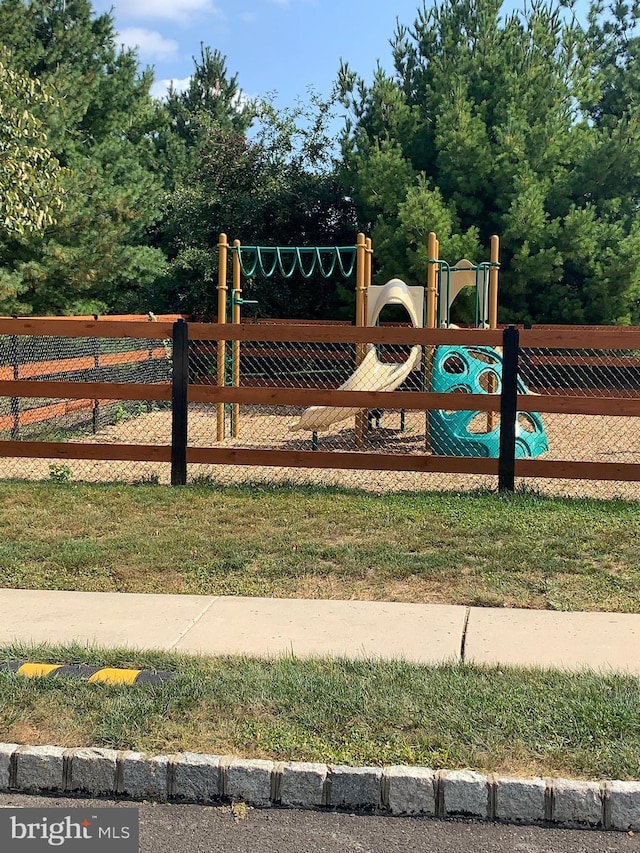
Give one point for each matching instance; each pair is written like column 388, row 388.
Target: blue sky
column 275, row 46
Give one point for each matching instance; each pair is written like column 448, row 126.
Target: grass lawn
column 524, row 551
column 521, row 551
column 335, row 711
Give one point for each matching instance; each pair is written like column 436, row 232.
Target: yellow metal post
column 493, row 282
column 493, row 314
column 237, row 295
column 361, row 319
column 365, row 310
column 223, row 251
column 432, row 319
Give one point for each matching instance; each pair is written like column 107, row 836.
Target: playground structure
column 266, row 261
column 440, row 369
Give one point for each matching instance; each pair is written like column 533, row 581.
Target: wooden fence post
column 508, row 410
column 14, row 357
column 179, row 405
column 150, row 348
column 95, row 417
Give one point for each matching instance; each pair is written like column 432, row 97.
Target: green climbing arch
column 268, row 260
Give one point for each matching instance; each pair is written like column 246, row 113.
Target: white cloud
column 169, row 10
column 149, row 43
column 160, row 88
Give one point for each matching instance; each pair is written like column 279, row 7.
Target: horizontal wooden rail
column 412, row 400
column 341, row 460
column 86, row 328
column 103, row 318
column 571, row 338
column 78, row 450
column 568, row 405
column 275, row 321
column 264, row 381
column 582, row 327
column 81, row 390
column 344, row 334
column 561, row 470
column 618, row 338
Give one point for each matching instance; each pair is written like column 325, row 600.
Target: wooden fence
column 180, row 391
column 19, row 369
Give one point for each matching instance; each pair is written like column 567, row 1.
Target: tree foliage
column 255, row 174
column 30, row 190
column 212, row 98
column 101, row 133
column 525, row 125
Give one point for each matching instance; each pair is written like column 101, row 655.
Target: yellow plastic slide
column 371, row 375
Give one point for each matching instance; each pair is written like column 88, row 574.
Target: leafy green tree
column 97, row 252
column 524, row 125
column 30, row 191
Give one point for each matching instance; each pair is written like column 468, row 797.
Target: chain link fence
column 77, row 359
column 319, row 367
column 590, row 373
column 309, row 421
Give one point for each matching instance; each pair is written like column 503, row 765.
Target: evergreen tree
column 213, row 99
column 525, row 126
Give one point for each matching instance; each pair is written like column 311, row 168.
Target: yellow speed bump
column 109, row 675
column 95, row 674
column 35, row 670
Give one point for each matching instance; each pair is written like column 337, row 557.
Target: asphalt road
column 204, row 829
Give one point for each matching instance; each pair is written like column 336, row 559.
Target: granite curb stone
column 520, row 800
column 409, row 790
column 143, row 777
column 195, row 777
column 7, row 750
column 250, row 780
column 396, row 790
column 355, row 787
column 463, row 792
column 303, row 784
column 93, row 770
column 624, row 804
column 40, row 768
column 577, row 803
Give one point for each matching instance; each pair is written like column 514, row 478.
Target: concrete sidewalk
column 422, row 633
